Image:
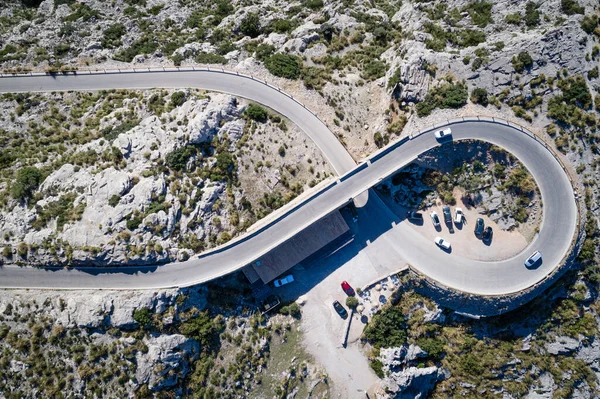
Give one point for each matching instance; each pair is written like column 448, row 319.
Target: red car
column 347, row 288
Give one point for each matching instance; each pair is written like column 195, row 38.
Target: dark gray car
column 479, row 225
column 447, row 215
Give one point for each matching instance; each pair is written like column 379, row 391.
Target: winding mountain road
column 557, row 231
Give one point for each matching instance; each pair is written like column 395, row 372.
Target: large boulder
column 167, row 360
column 410, row 383
column 562, row 346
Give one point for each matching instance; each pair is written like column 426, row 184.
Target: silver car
column 442, row 134
column 533, row 259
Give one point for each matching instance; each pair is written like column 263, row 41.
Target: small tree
column 256, row 112
column 143, row 317
column 28, row 180
column 480, row 96
column 177, row 99
column 351, row 302
column 250, row 25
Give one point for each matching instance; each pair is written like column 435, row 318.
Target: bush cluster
column 256, row 113
column 522, row 61
column 447, row 95
column 27, row 181
column 145, row 45
column 284, row 65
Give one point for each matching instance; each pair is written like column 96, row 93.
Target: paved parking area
column 504, row 244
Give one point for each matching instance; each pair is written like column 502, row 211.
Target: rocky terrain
column 176, row 343
column 546, row 349
column 375, row 71
column 126, row 177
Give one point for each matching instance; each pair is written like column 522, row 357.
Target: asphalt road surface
column 486, row 278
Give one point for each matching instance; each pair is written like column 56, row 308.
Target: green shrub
column 114, row 200
column 112, row 36
column 177, row 99
column 514, row 19
column 177, row 159
column 201, row 328
column 386, row 329
column 27, row 181
column 145, row 45
column 144, row 317
column 397, row 126
column 250, row 25
column 315, row 77
column 284, row 65
column 264, row 51
column 448, row 95
column 588, row 250
column 22, row 250
column 293, row 309
column 593, row 73
column 83, row 12
column 522, row 61
column 575, row 91
column 532, row 15
column 210, row 58
column 135, row 221
column 314, row 4
column 7, row 251
column 377, row 367
column 110, row 133
column 373, row 69
column 256, row 113
column 225, row 162
column 589, row 23
column 479, row 96
column 571, row 7
column 280, row 25
column 433, row 346
column 62, row 49
column 63, row 210
column 480, row 13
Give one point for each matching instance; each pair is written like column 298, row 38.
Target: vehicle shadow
column 448, row 251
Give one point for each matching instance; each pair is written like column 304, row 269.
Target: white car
column 442, row 134
column 283, row 281
column 442, row 243
column 533, row 259
column 435, row 219
column 458, row 215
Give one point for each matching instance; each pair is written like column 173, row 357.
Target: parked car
column 435, row 219
column 442, row 243
column 479, row 225
column 458, row 215
column 533, row 259
column 447, row 214
column 283, row 281
column 340, row 309
column 488, row 233
column 415, row 216
column 347, row 288
column 442, row 134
